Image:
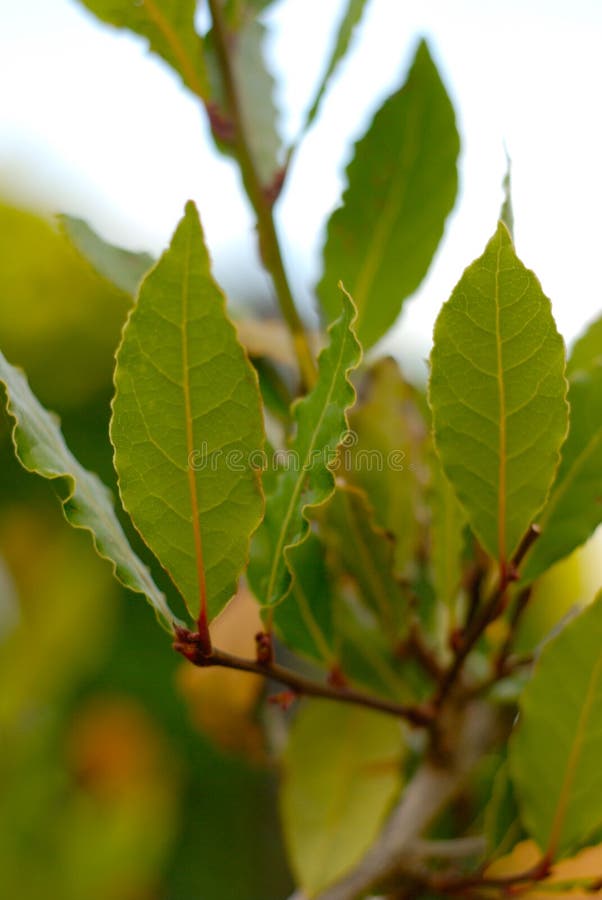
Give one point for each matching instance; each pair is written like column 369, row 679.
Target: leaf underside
column 498, row 395
column 88, row 504
column 186, row 423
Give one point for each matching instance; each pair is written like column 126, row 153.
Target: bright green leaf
column 365, row 553
column 402, row 183
column 587, row 350
column 555, row 753
column 497, row 392
column 123, row 268
column 341, row 772
column 40, row 448
column 352, row 15
column 307, row 481
column 574, row 509
column 186, row 423
column 168, row 26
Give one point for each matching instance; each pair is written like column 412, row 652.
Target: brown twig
column 190, row 645
column 454, row 884
column 520, row 605
column 492, row 609
column 415, row 646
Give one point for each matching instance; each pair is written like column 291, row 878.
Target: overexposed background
column 91, row 124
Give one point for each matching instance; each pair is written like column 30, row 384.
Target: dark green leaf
column 402, row 184
column 502, row 821
column 186, row 423
column 498, row 395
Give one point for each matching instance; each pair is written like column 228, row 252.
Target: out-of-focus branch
column 259, row 197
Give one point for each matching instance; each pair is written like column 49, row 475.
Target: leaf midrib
column 192, row 485
column 502, row 416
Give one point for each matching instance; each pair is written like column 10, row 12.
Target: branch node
column 264, row 648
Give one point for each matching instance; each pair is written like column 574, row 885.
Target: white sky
column 91, row 124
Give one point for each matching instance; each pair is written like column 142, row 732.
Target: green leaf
column 384, row 456
column 498, row 395
column 88, row 504
column 307, row 482
column 402, row 184
column 122, row 267
column 574, row 509
column 58, row 319
column 186, row 423
column 368, row 658
column 587, row 350
column 447, row 540
column 305, row 621
column 555, row 753
column 340, row 776
column 350, row 19
column 168, row 26
column 365, row 552
column 255, row 87
column 502, row 822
